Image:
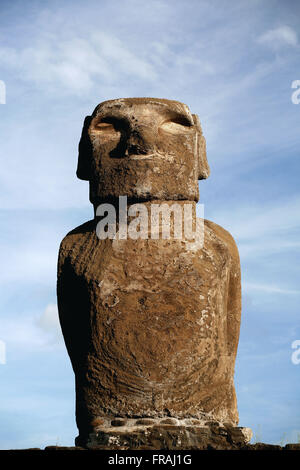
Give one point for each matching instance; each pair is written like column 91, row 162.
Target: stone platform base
column 165, row 434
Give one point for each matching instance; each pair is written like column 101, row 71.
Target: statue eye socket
column 175, row 126
column 107, row 125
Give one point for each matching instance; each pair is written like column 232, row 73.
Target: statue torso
column 154, row 315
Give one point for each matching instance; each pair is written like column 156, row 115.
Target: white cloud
column 278, row 37
column 265, row 247
column 23, row 335
column 49, row 321
column 263, row 228
column 65, row 62
column 33, row 333
column 267, row 234
column 269, row 289
column 76, row 64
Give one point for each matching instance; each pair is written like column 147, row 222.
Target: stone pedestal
column 165, row 434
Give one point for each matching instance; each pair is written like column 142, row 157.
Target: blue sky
column 232, row 63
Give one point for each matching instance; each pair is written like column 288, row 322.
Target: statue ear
column 203, row 167
column 85, row 152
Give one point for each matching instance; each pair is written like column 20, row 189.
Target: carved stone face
column 142, row 148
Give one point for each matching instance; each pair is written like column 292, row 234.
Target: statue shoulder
column 225, row 237
column 77, row 237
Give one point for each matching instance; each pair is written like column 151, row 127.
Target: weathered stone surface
column 171, row 437
column 223, row 444
column 295, row 446
column 143, row 148
column 151, row 326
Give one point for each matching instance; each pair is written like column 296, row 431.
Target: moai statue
column 151, row 324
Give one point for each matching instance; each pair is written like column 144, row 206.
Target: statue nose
column 140, row 140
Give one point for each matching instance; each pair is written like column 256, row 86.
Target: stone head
column 142, row 148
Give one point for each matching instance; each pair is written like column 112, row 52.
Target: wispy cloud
column 24, row 335
column 263, row 226
column 279, row 37
column 269, row 289
column 76, row 64
column 49, row 322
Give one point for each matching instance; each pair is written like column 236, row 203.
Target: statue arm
column 70, row 300
column 234, row 304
